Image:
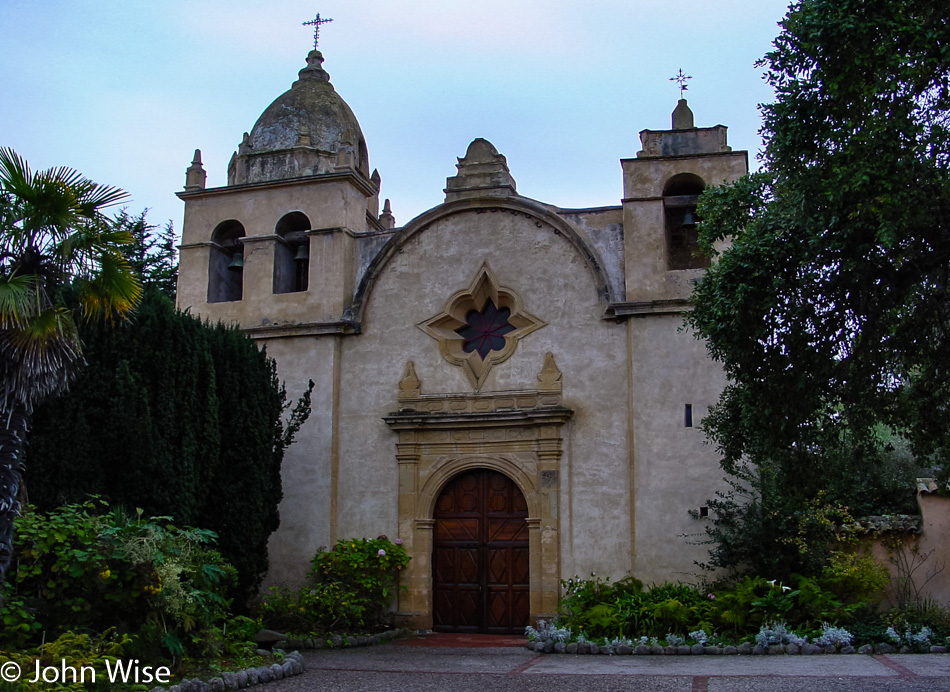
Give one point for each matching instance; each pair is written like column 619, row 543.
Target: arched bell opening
column 226, row 263
column 292, row 253
column 680, row 196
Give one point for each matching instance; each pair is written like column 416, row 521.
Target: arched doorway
column 480, row 555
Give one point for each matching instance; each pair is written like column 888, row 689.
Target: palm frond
column 112, row 291
column 93, row 238
column 15, row 173
column 98, row 197
column 67, row 176
column 38, row 356
column 18, row 298
column 53, row 232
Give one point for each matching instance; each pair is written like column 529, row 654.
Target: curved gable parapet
column 517, row 205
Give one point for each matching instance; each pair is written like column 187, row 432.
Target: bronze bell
column 302, row 254
column 689, row 220
column 237, row 262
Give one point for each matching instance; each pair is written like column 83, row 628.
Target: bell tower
column 660, row 188
column 275, row 250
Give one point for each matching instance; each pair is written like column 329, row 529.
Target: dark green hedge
column 174, row 416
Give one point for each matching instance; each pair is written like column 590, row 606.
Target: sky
column 124, row 91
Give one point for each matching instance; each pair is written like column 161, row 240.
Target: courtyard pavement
column 454, row 663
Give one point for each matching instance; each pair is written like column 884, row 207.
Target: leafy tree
column 152, row 251
column 830, row 310
column 201, row 438
column 53, row 234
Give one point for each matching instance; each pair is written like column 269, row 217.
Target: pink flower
column 398, row 541
column 712, row 597
column 380, row 552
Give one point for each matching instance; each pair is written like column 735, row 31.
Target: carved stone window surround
column 445, row 326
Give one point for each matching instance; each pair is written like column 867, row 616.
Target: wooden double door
column 480, row 555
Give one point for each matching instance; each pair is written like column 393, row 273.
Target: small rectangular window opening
column 688, row 416
column 704, row 511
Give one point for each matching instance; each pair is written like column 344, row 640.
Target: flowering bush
column 351, row 587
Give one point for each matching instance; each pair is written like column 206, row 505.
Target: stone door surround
column 516, row 433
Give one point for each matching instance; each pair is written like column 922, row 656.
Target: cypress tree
column 178, row 418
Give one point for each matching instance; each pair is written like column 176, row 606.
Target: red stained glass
column 485, row 330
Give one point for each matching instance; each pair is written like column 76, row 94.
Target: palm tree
column 53, row 236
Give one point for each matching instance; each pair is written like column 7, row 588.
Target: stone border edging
column 292, row 665
column 744, row 649
column 337, row 641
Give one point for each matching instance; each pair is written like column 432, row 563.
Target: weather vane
column 679, row 78
column 315, row 23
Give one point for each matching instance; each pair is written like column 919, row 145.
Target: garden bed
column 743, row 649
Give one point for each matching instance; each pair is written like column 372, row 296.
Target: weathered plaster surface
column 307, row 470
column 674, row 470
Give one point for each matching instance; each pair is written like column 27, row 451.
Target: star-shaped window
column 481, row 326
column 485, row 330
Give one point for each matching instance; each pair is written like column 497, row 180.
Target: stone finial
column 376, row 178
column 682, row 116
column 345, row 159
column 303, row 136
column 410, row 386
column 549, row 379
column 314, row 69
column 245, row 146
column 386, row 219
column 195, row 175
column 482, row 171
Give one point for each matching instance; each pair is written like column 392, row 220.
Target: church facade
column 501, row 384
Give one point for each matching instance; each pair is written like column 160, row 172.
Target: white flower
column 380, row 552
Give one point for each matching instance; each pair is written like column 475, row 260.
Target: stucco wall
column 306, row 474
column 675, row 470
column 923, row 559
column 556, row 286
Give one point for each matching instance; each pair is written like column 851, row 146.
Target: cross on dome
column 315, row 23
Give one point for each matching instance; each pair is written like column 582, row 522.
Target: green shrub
column 601, row 608
column 351, row 588
column 598, row 607
column 81, row 650
column 923, row 612
column 675, row 609
column 854, row 577
column 80, row 570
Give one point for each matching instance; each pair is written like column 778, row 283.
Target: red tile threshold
column 472, row 641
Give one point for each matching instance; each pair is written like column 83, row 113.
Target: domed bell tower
column 274, row 250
